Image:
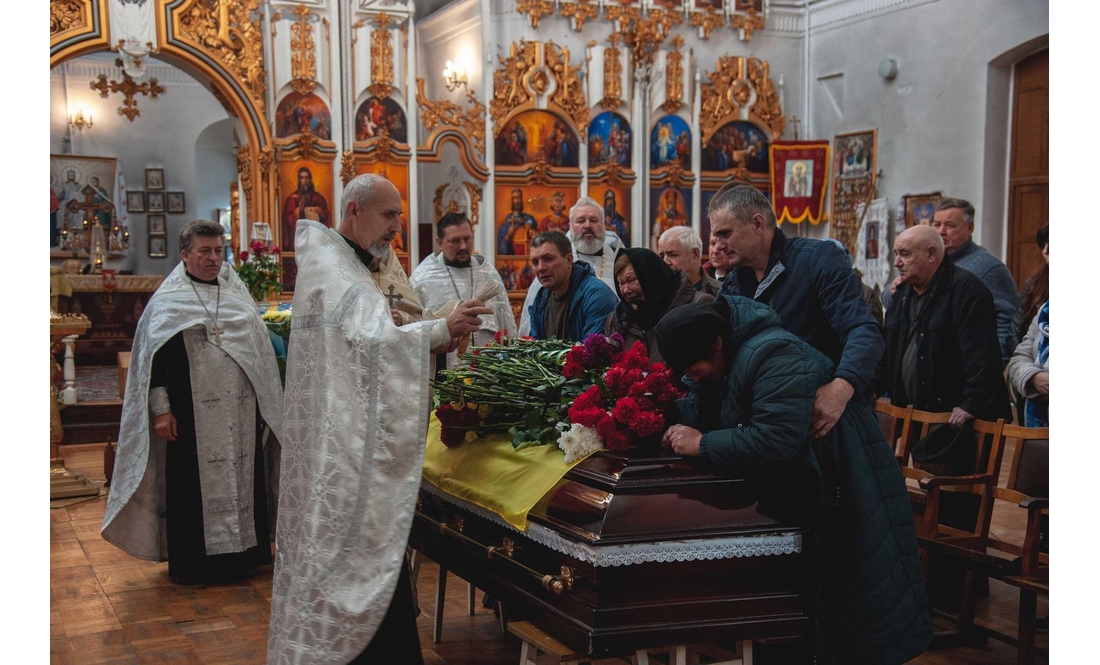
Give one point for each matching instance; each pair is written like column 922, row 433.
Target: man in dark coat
column 942, row 351
column 812, row 287
column 749, row 413
column 648, row 289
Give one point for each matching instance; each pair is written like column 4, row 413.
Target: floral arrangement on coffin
column 512, row 385
column 260, row 271
column 277, row 320
column 626, row 404
column 585, row 397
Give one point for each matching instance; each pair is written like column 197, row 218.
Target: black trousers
column 396, row 642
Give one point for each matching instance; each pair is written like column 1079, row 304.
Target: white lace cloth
column 696, row 549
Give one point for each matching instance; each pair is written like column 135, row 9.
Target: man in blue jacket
column 810, row 284
column 573, row 303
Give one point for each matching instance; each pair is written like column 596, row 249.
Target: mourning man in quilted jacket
column 749, row 414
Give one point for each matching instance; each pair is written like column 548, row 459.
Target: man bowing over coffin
column 356, row 408
column 189, row 481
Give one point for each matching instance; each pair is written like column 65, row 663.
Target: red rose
column 244, row 256
column 452, row 436
column 467, row 417
column 446, row 414
column 274, row 250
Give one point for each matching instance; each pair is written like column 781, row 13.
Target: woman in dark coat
column 748, row 413
column 648, row 289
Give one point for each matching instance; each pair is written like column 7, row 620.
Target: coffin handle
column 556, row 584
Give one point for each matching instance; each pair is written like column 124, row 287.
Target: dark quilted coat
column 870, row 600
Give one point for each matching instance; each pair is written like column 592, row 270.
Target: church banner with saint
column 799, row 173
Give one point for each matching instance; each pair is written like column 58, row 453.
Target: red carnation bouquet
column 626, row 404
column 586, row 397
column 260, row 271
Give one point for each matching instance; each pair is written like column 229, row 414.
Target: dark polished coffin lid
column 661, row 550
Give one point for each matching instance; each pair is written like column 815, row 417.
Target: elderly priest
column 357, row 400
column 189, row 482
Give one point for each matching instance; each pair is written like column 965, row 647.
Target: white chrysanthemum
column 579, row 442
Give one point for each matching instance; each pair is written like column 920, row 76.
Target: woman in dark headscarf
column 748, row 413
column 648, row 289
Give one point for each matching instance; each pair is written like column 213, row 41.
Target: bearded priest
column 190, row 483
column 592, row 244
column 356, row 408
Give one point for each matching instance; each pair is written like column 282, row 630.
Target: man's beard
column 588, row 245
column 609, row 211
column 381, row 246
column 308, row 189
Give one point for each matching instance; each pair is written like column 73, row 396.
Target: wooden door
column 1028, row 201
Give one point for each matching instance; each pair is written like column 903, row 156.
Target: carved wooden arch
column 206, row 63
column 431, row 151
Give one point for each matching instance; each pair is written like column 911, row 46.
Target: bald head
column 918, row 253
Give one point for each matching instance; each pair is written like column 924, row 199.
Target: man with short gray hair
column 681, row 249
column 356, row 407
column 812, row 287
column 592, row 244
column 191, row 480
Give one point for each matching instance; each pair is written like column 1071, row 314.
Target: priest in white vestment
column 389, row 275
column 456, row 273
column 356, row 412
column 592, row 244
column 190, row 479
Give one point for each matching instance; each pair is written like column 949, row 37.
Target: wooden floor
column 108, row 607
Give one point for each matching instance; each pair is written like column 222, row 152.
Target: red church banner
column 799, row 172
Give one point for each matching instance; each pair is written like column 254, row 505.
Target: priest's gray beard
column 380, row 245
column 588, row 245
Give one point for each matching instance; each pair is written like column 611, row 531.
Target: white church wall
column 943, row 121
column 165, row 135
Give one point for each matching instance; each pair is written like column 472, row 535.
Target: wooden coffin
column 628, row 553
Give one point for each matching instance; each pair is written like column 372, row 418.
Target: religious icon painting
column 534, row 134
column 376, row 117
column 609, row 140
column 853, row 183
column 158, row 247
column 528, row 211
column 670, row 141
column 81, row 188
column 297, row 112
column 155, row 201
column 921, row 208
column 516, row 273
column 157, row 224
column 746, row 5
column 616, row 208
column 671, row 206
column 308, row 187
column 176, row 202
column 135, row 201
column 154, row 178
column 734, row 145
column 799, row 172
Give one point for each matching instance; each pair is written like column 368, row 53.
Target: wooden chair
column 1021, row 564
column 895, row 422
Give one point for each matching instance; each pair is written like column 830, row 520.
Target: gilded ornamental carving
column 303, row 66
column 470, row 121
column 381, row 57
column 231, row 33
column 731, row 87
column 65, row 15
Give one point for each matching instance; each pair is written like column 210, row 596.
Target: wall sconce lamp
column 79, row 119
column 454, row 76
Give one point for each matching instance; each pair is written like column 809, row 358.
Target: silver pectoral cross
column 217, row 335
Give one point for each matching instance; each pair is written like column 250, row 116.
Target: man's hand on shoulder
column 1041, row 383
column 165, row 426
column 829, row 404
column 894, row 285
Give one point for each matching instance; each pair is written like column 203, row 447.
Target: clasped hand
column 464, row 320
column 683, row 440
